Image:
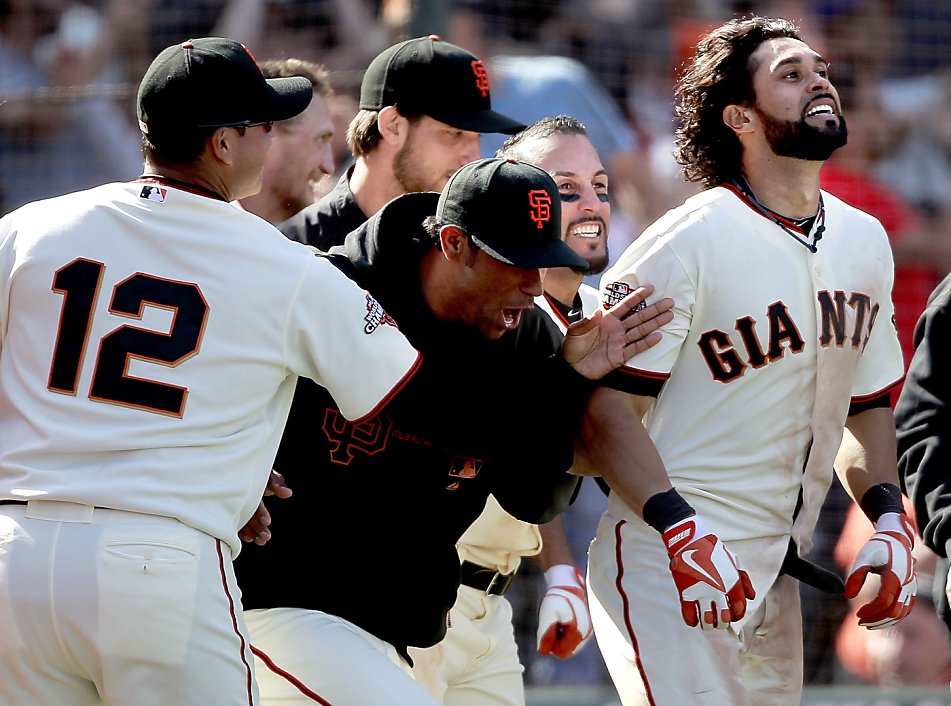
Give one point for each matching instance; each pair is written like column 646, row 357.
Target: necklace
column 798, row 228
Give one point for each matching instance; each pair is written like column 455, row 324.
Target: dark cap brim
column 478, row 121
column 289, row 97
column 554, row 253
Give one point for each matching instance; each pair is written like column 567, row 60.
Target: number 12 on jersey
column 79, row 282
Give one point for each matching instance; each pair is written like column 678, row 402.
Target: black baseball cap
column 214, row 82
column 511, row 210
column 427, row 76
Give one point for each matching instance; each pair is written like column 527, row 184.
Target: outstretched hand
column 605, row 340
column 257, row 528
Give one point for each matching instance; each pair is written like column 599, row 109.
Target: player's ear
column 221, row 144
column 393, row 127
column 452, row 241
column 737, row 117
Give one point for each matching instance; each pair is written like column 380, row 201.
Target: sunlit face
column 491, row 296
column 796, row 104
column 582, row 182
column 300, row 155
column 433, row 151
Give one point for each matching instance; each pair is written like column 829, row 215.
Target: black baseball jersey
column 369, row 534
column 923, row 419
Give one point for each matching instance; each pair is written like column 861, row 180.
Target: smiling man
column 782, row 338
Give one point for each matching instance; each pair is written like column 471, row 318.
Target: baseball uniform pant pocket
column 148, row 586
column 125, row 609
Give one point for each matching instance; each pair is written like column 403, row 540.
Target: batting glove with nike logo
column 888, row 554
column 713, row 591
column 564, row 622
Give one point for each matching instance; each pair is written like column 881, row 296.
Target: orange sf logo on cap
column 482, row 78
column 540, row 202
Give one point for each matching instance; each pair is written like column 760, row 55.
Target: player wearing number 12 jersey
column 151, row 336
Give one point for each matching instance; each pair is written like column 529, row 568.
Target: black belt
column 12, row 502
column 485, row 579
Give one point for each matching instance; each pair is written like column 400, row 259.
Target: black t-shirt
column 370, row 532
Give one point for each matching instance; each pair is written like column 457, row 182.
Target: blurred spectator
column 300, row 155
column 922, row 251
column 344, row 35
column 488, row 27
column 56, row 133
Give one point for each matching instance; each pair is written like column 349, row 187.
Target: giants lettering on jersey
column 728, row 361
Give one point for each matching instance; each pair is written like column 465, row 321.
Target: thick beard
column 800, row 140
column 406, row 171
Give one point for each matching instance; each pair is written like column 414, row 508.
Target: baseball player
column 423, row 104
column 408, row 137
column 782, row 337
column 301, row 153
column 477, row 662
column 143, row 388
column 383, row 503
column 922, row 419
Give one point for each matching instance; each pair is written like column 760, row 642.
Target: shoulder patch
column 376, row 316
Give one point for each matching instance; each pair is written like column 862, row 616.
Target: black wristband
column 666, row 509
column 879, row 499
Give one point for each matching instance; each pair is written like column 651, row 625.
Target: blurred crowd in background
column 69, row 71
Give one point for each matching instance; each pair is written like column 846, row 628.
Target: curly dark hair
column 719, row 75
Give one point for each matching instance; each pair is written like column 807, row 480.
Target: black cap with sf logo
column 427, row 76
column 511, row 210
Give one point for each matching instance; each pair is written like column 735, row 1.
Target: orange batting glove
column 564, row 622
column 713, row 591
column 888, row 554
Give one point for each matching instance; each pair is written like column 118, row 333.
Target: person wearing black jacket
column 923, row 421
column 363, row 562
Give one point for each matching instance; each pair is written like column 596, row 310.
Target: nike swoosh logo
column 689, row 561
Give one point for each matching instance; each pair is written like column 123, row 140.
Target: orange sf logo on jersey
column 481, row 77
column 540, row 202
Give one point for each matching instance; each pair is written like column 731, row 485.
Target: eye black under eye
column 603, row 197
column 568, row 198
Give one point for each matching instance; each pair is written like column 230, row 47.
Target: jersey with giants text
column 769, row 346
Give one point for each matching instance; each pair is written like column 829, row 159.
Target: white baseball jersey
column 770, row 344
column 150, row 341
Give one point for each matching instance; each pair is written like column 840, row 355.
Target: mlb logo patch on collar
column 153, row 193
